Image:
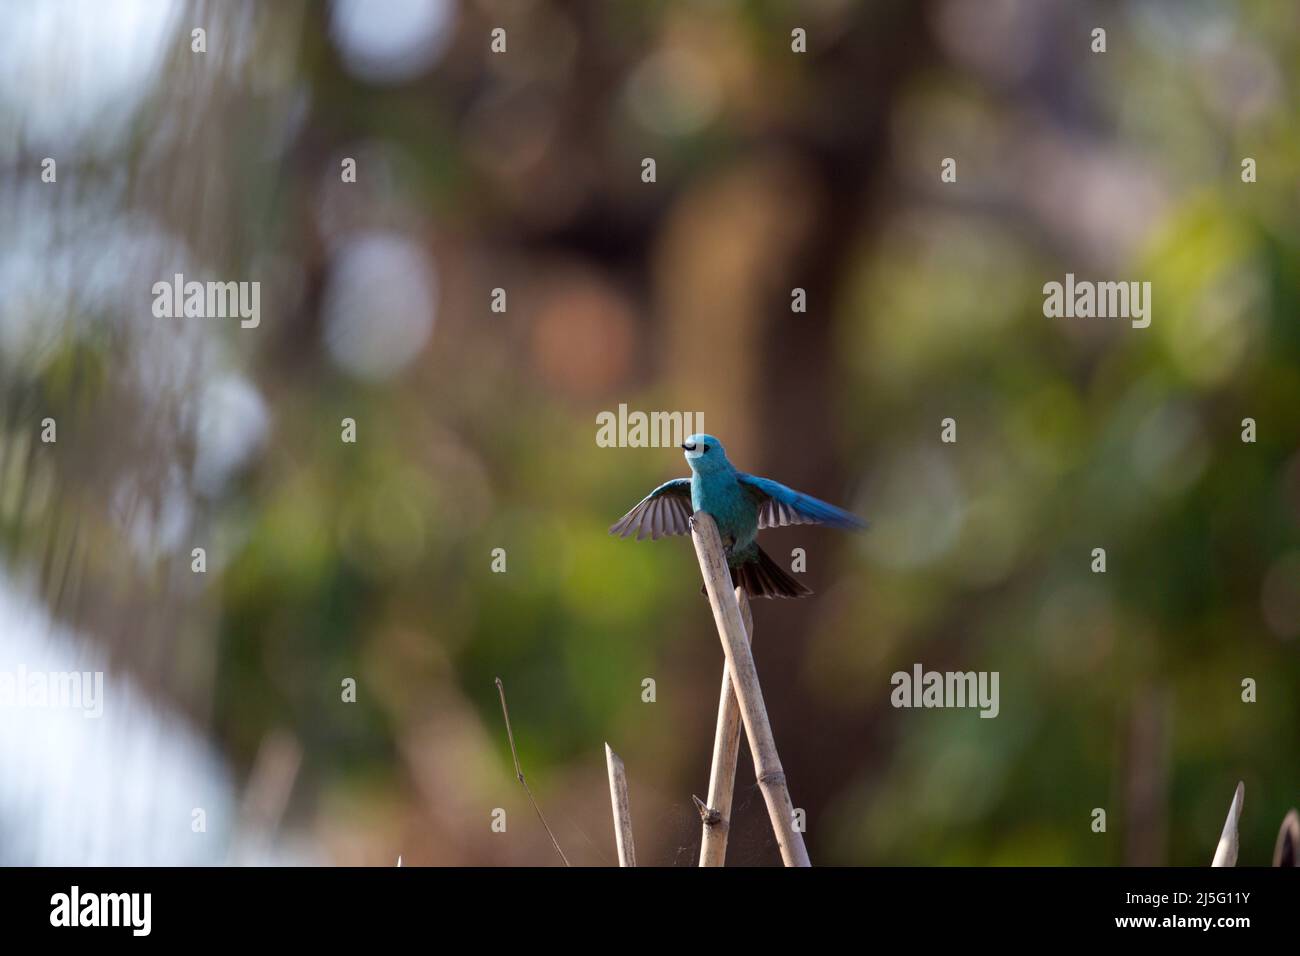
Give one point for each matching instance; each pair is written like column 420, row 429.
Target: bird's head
column 705, row 454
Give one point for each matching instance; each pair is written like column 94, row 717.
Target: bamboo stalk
column 744, row 678
column 726, row 750
column 1226, row 852
column 622, row 809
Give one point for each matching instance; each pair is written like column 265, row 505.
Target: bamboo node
column 774, row 777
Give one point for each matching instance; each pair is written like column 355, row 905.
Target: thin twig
column 519, row 772
column 744, row 679
column 622, row 808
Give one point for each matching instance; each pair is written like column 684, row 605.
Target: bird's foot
column 729, row 545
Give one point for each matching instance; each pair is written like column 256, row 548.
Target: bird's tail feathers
column 764, row 578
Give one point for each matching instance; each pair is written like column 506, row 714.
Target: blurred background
column 475, row 429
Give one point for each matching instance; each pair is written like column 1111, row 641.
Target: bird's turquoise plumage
column 740, row 505
column 717, row 491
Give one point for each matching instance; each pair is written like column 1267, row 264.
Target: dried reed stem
column 726, row 751
column 622, row 809
column 744, row 679
column 1287, row 850
column 1226, row 853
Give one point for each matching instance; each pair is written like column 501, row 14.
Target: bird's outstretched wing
column 779, row 506
column 666, row 510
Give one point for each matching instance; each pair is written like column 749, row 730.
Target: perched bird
column 740, row 504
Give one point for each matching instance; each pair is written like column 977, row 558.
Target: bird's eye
column 706, row 448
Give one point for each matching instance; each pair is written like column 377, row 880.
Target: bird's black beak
column 689, row 445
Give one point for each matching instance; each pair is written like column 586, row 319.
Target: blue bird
column 740, row 504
